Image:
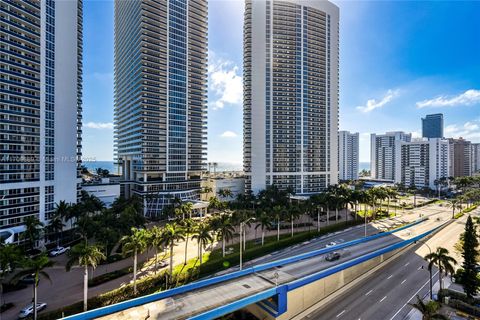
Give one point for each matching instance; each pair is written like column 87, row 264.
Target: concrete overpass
column 279, row 289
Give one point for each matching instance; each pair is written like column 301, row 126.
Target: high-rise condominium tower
column 460, row 157
column 348, row 155
column 160, row 98
column 40, row 108
column 432, row 126
column 290, row 94
column 383, row 149
column 421, row 162
column 475, row 157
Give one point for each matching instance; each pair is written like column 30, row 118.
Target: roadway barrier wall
column 308, row 295
column 93, row 314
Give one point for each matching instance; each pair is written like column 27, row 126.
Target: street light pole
column 429, row 269
column 242, row 245
column 365, row 215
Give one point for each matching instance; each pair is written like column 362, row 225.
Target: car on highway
column 28, row 310
column 331, row 244
column 28, row 279
column 58, row 251
column 332, row 256
column 162, row 264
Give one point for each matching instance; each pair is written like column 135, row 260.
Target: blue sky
column 399, row 60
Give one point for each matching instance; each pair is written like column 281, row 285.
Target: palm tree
column 136, row 242
column 225, row 193
column 156, row 241
column 188, row 226
column 391, row 194
column 187, row 209
column 403, row 205
column 172, row 233
column 443, row 261
column 62, row 209
column 203, row 236
column 293, row 213
column 356, row 197
column 428, row 310
column 454, row 204
column 278, row 213
column 10, row 258
column 225, row 230
column 33, row 230
column 86, row 256
column 264, row 222
column 56, row 225
column 36, row 268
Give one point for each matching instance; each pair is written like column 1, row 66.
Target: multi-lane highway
column 185, row 305
column 385, row 294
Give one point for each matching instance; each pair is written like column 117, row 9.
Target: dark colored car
column 332, row 256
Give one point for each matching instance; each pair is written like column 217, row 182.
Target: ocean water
column 221, row 166
column 364, row 165
column 94, row 165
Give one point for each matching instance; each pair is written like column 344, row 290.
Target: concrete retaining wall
column 304, row 297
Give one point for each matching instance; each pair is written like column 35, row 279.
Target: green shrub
column 109, row 276
column 457, row 296
column 465, row 307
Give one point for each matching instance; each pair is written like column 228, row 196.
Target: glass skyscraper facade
column 160, row 98
column 432, row 126
column 40, row 107
column 290, row 95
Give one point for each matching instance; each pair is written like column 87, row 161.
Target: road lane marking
column 369, row 292
column 414, row 295
column 340, row 314
column 383, row 298
column 403, row 281
column 406, row 264
column 390, row 276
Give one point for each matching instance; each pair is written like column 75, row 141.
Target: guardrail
column 95, row 313
column 228, row 308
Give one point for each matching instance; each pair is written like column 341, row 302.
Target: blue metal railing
column 92, row 314
column 228, row 308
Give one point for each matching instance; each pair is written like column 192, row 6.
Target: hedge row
column 158, row 282
column 464, row 211
column 465, row 307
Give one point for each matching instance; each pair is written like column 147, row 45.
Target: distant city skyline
column 405, row 72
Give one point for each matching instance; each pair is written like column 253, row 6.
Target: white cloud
column 229, row 134
column 467, row 98
column 99, row 125
column 470, row 130
column 373, row 104
column 225, row 82
column 416, row 134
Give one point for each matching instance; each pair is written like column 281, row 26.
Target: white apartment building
column 160, row 116
column 291, row 70
column 40, row 108
column 348, row 155
column 422, row 161
column 382, row 154
column 475, row 157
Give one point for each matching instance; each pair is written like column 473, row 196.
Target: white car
column 28, row 310
column 331, row 244
column 58, row 251
column 162, row 264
